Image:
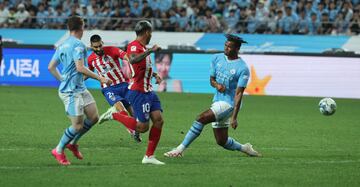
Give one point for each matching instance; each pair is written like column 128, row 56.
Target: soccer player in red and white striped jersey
column 144, row 101
column 105, row 60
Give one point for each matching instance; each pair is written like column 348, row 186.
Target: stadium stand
column 324, row 17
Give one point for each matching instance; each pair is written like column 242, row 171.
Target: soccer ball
column 327, row 106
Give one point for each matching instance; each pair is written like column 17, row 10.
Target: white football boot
column 151, row 160
column 107, row 115
column 174, row 153
column 248, row 149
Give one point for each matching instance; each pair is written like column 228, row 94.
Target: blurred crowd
column 243, row 16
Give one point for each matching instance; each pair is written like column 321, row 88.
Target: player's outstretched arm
column 53, row 70
column 135, row 58
column 237, row 99
column 84, row 70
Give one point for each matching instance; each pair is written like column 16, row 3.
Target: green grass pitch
column 300, row 147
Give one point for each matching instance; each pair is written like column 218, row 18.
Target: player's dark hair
column 236, row 39
column 142, row 26
column 95, row 38
column 75, row 23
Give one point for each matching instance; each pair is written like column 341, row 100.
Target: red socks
column 128, row 121
column 154, row 137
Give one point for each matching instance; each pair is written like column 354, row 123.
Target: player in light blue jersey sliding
column 78, row 101
column 229, row 76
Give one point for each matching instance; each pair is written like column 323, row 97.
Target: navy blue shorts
column 143, row 104
column 116, row 93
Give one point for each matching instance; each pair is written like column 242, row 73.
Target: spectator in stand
column 31, row 21
column 182, row 21
column 333, row 11
column 41, row 16
column 261, row 16
column 115, row 23
column 193, row 20
column 347, row 11
column 242, row 3
column 291, row 3
column 11, row 18
column 154, row 5
column 302, row 23
column 73, row 11
column 252, row 22
column 271, row 26
column 212, row 4
column 50, row 20
column 300, row 6
column 105, row 18
column 29, row 6
column 326, row 25
column 213, row 23
column 202, row 7
column 21, row 15
column 127, row 23
column 136, row 9
column 66, row 4
column 219, row 11
column 4, row 12
column 146, row 10
column 341, row 25
column 162, row 5
column 201, row 25
column 231, row 22
column 94, row 19
column 355, row 24
column 242, row 24
column 314, row 24
column 173, row 19
column 90, row 7
column 321, row 10
column 308, row 8
column 60, row 17
column 287, row 23
column 230, row 6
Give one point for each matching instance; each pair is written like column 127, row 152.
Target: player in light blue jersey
column 72, row 91
column 229, row 76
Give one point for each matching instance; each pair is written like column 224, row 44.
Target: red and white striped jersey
column 108, row 65
column 141, row 72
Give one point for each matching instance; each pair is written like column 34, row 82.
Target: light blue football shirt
column 67, row 54
column 231, row 74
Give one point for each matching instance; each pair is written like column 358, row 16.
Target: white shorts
column 76, row 102
column 222, row 111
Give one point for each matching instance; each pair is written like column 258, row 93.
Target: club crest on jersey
column 232, row 71
column 133, row 48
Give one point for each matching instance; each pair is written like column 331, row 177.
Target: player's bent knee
column 201, row 118
column 142, row 127
column 94, row 120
